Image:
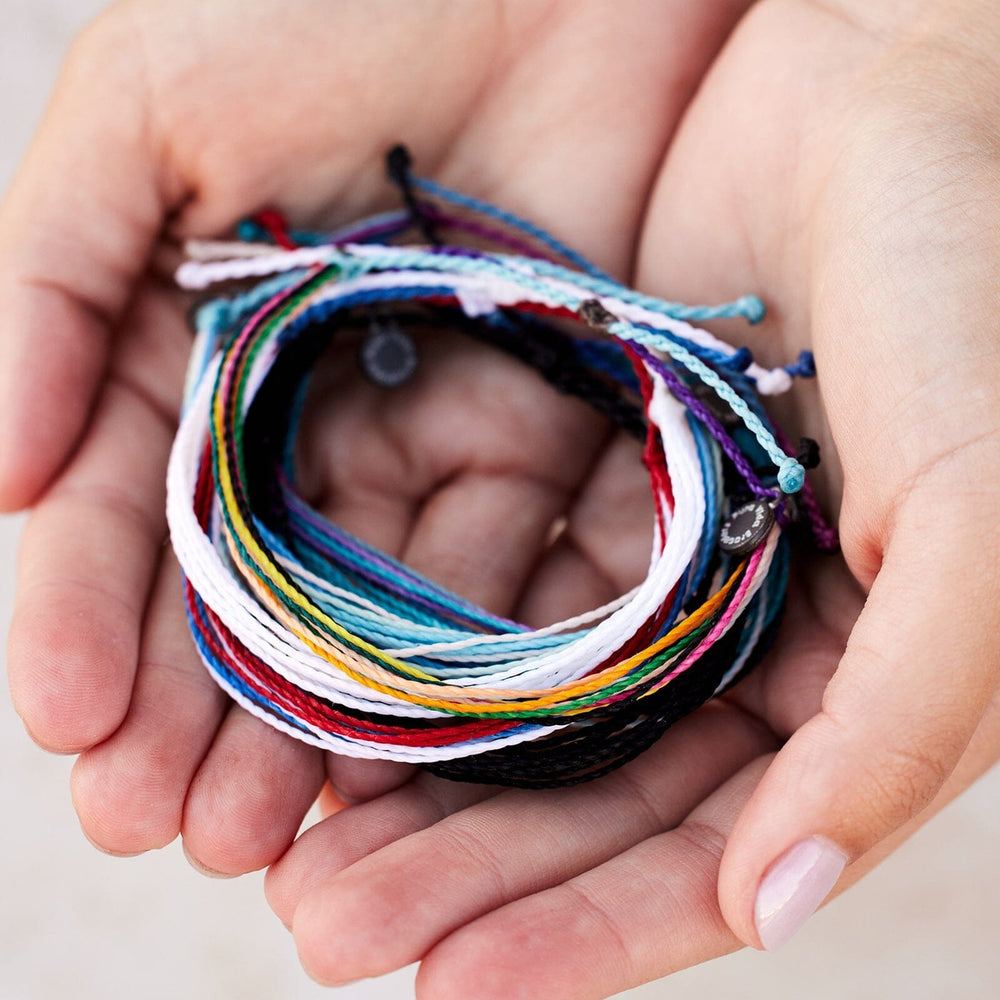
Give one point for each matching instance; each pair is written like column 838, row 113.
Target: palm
column 724, row 217
column 302, row 124
column 816, row 206
column 558, row 111
column 366, row 889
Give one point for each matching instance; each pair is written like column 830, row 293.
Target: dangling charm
column 388, row 354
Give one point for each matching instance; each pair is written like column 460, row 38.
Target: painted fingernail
column 793, row 888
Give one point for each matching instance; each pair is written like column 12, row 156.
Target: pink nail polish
column 794, row 887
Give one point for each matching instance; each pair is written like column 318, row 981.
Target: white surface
column 76, row 924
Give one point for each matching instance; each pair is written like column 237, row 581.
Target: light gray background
column 76, row 924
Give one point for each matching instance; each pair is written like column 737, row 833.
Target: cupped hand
column 177, row 120
column 842, row 159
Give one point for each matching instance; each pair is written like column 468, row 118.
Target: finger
column 383, row 521
column 86, row 565
column 356, row 780
column 75, row 232
column 604, row 548
column 329, row 802
column 481, row 534
column 788, row 688
column 383, row 518
column 378, row 464
column 129, row 791
column 567, row 46
column 373, row 498
column 391, row 908
column 982, row 754
column 565, row 583
column 920, row 668
column 351, row 834
column 249, row 796
column 646, row 913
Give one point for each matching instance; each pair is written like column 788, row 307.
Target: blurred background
column 77, row 924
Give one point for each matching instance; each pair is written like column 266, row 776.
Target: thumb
column 76, row 229
column 919, row 670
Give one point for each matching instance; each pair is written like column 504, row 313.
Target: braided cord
column 342, row 646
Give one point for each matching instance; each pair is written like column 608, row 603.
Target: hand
column 841, row 159
column 176, row 120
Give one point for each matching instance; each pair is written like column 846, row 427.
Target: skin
column 840, row 158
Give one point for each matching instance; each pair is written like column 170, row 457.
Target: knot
column 774, row 382
column 250, row 231
column 808, row 454
column 398, row 163
column 805, row 367
column 741, row 359
column 752, row 307
column 791, row 475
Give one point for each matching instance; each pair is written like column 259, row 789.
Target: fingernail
column 794, row 887
column 108, row 851
column 202, row 869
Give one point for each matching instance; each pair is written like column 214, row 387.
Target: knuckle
column 106, row 52
column 92, row 45
column 607, row 925
column 641, row 799
column 705, row 840
column 464, row 844
column 890, row 781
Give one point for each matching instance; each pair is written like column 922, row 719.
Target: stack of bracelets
column 336, row 643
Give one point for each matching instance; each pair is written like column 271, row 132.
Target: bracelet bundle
column 344, row 647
